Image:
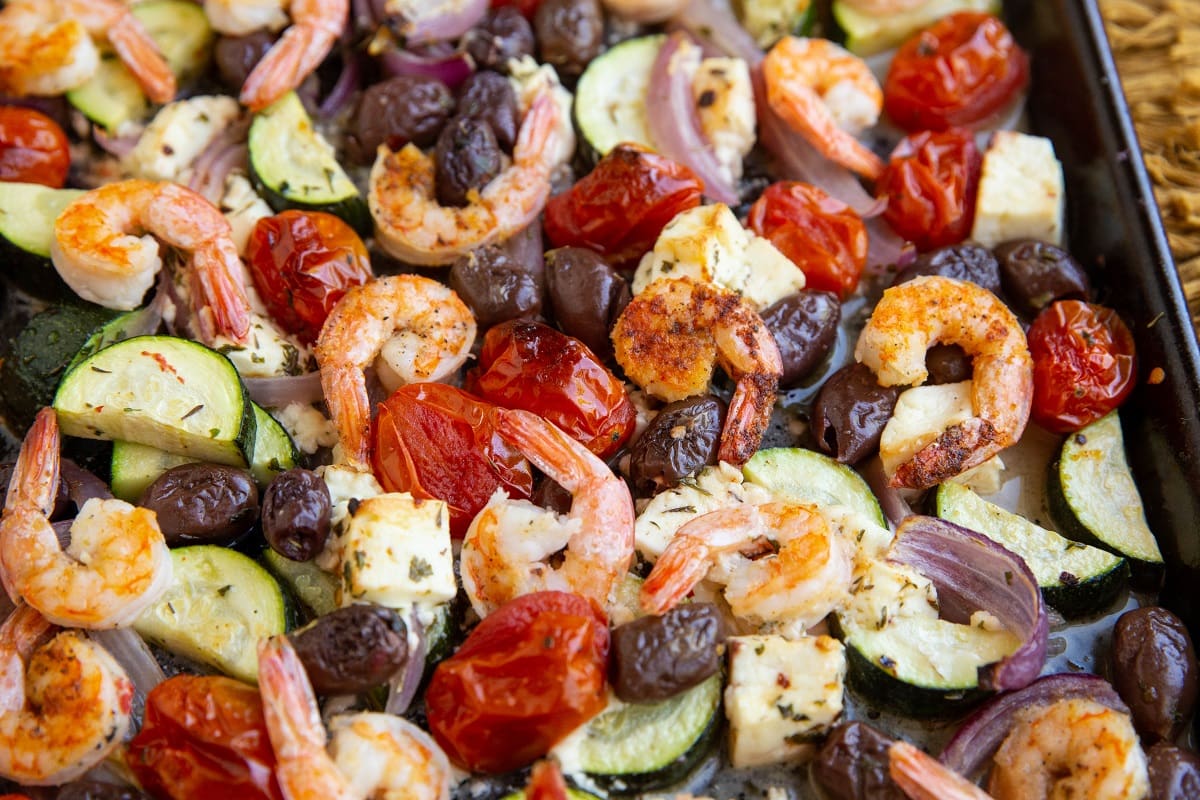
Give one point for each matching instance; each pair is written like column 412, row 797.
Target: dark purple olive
column 98, row 790
column 467, row 157
column 495, row 287
column 236, row 56
column 681, row 439
column 654, row 658
column 488, row 96
column 1034, row 274
column 352, row 649
column 397, row 111
column 947, row 363
column 853, row 764
column 550, row 494
column 504, row 34
column 586, row 295
column 295, row 514
column 1154, row 671
column 965, row 262
column 1174, row 772
column 850, row 412
column 805, row 326
column 202, row 503
column 569, row 33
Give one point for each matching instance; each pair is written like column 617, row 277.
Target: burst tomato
column 1083, row 364
column 529, row 674
column 33, row 148
column 302, row 263
column 930, row 184
column 204, row 738
column 437, row 441
column 959, row 71
column 822, row 236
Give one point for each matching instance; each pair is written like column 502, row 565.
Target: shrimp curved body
column 507, row 548
column 65, row 705
column 316, row 25
column 1071, row 748
column 116, row 565
column 47, row 47
column 370, row 756
column 411, row 225
column 922, row 777
column 426, row 330
column 912, row 317
column 672, row 334
column 108, row 242
column 827, row 95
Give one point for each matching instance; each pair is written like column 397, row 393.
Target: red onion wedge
column 132, row 653
column 716, row 28
column 894, row 506
column 284, row 390
column 403, row 686
column 451, row 69
column 971, row 572
column 225, row 153
column 82, row 485
column 440, row 20
column 348, row 82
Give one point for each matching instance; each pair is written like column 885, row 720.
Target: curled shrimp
column 316, row 25
column 673, row 332
column 422, row 327
column 64, row 712
column 780, row 563
column 116, row 565
column 46, row 47
column 107, row 248
column 371, row 755
column 1071, row 748
column 507, row 549
column 827, row 95
column 912, row 317
column 411, row 225
column 922, row 777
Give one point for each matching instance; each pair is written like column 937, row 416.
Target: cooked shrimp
column 884, row 7
column 46, row 47
column 371, row 756
column 106, row 247
column 672, row 333
column 922, row 777
column 779, row 562
column 827, row 95
column 316, row 25
column 64, row 712
column 427, row 330
column 546, row 782
column 411, row 225
column 912, row 317
column 507, row 550
column 116, row 565
column 1071, row 748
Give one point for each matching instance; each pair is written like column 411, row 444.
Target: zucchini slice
column 867, row 34
column 806, row 476
column 768, row 21
column 173, row 394
column 27, row 214
column 610, row 97
column 313, row 586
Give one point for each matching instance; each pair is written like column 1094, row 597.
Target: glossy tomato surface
column 437, row 441
column 33, row 148
column 302, row 263
column 958, row 72
column 931, row 182
column 822, row 236
column 529, row 674
column 204, row 738
column 1083, row 364
column 531, row 366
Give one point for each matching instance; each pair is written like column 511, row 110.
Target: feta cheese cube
column 1021, row 193
column 177, row 134
column 725, row 103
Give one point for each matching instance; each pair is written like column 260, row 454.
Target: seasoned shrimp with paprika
column 922, row 777
column 316, row 25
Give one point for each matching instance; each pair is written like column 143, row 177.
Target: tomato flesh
column 930, row 183
column 33, row 148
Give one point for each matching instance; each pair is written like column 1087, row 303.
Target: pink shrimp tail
column 923, row 777
column 289, row 705
column 675, row 574
column 34, row 483
column 346, row 393
column 749, row 417
column 956, row 450
column 143, row 58
column 550, row 449
column 546, row 782
column 285, row 66
column 19, row 634
column 219, row 299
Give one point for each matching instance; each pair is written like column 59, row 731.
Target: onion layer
column 283, row 390
column 452, row 68
column 716, row 28
column 440, row 20
column 403, row 686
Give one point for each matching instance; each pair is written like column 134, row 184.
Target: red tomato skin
column 33, row 148
column 958, row 72
column 204, row 738
column 620, row 207
column 439, row 442
column 526, row 7
column 931, row 183
column 529, row 674
column 531, row 366
column 1083, row 364
column 821, row 235
column 302, row 263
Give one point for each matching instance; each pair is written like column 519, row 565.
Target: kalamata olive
column 295, row 514
column 587, row 295
column 1154, row 671
column 98, row 790
column 504, row 34
column 467, row 157
column 550, row 494
column 1034, row 274
column 235, row 57
column 488, row 96
column 397, row 111
column 966, row 262
column 853, row 764
column 202, row 503
column 684, row 437
column 850, row 412
column 654, row 658
column 1174, row 772
column 947, row 363
column 570, row 33
column 495, row 287
column 352, row 649
column 804, row 325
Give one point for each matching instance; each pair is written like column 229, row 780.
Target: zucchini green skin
column 610, row 97
column 874, row 682
column 274, row 451
column 27, row 214
column 312, row 586
column 867, row 34
column 806, row 476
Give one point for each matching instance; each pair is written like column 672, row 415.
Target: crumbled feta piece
column 243, row 208
column 1021, row 193
column 309, row 428
column 725, row 103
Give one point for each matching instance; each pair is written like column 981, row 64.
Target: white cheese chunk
column 1021, row 193
column 725, row 103
column 308, row 427
column 243, row 208
column 178, row 133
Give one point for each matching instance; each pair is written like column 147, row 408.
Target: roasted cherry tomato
column 959, row 71
column 529, row 674
column 1083, row 364
column 930, row 184
column 33, row 148
column 302, row 263
column 526, row 7
column 204, row 738
column 820, row 234
column 620, row 207
column 534, row 367
column 437, row 441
